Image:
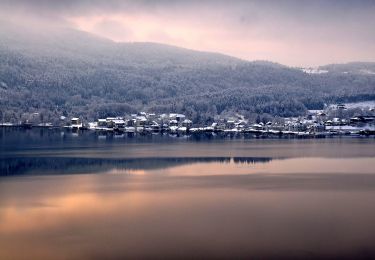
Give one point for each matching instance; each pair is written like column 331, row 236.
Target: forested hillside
column 68, row 72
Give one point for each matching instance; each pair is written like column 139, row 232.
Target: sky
column 291, row 32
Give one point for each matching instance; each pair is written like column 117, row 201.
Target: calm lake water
column 64, row 196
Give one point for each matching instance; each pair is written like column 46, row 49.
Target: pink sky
column 295, row 33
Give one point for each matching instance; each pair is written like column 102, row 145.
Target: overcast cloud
column 296, row 33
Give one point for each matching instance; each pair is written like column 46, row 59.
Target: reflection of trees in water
column 62, row 165
column 251, row 160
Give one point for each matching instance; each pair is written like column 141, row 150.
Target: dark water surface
column 64, row 196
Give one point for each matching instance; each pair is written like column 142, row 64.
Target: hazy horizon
column 294, row 33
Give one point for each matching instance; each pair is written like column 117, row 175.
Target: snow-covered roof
column 163, row 116
column 118, row 121
column 173, row 115
column 141, row 118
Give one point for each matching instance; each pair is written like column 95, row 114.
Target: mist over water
column 79, row 197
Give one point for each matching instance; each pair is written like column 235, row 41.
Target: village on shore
column 317, row 123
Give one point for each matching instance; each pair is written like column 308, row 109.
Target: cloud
column 113, row 29
column 290, row 31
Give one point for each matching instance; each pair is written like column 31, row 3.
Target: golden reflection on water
column 301, row 207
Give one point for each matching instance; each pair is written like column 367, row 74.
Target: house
column 230, row 124
column 102, row 123
column 151, row 116
column 75, row 123
column 141, row 121
column 177, row 117
column 362, row 119
column 130, row 122
column 187, row 123
column 241, row 124
column 218, row 126
column 317, row 127
column 155, row 127
column 257, row 127
column 119, row 123
column 109, row 122
column 173, row 123
column 322, row 114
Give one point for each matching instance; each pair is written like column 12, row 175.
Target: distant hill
column 352, row 67
column 60, row 71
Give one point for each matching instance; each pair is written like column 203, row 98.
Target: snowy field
column 364, row 104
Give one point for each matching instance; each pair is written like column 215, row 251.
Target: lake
column 89, row 196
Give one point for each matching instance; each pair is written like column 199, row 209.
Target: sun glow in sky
column 296, row 33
